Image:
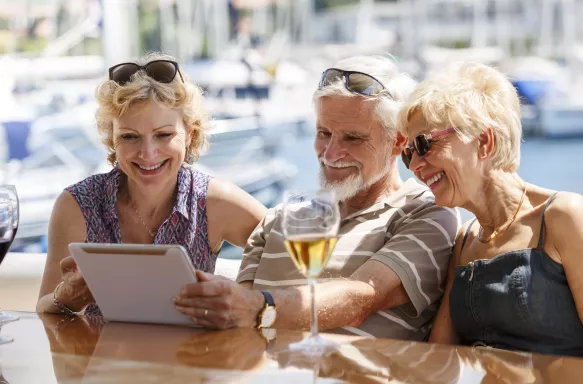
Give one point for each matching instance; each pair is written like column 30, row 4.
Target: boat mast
column 120, row 31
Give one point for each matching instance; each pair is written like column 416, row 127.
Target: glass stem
column 314, row 311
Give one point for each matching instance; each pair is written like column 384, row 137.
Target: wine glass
column 8, row 226
column 310, row 229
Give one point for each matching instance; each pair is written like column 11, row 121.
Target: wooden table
column 54, row 349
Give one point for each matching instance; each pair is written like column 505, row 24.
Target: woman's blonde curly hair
column 114, row 100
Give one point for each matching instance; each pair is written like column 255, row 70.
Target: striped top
column 406, row 231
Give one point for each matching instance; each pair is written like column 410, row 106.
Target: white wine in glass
column 310, row 229
column 310, row 253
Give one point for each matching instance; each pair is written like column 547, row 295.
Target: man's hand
column 216, row 302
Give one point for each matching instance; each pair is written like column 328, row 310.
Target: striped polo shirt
column 406, row 231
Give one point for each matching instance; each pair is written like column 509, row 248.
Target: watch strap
column 268, row 298
column 269, row 302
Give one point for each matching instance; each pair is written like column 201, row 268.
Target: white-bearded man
column 387, row 273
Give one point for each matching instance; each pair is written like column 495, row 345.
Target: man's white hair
column 398, row 85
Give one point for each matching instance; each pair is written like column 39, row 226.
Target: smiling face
column 353, row 148
column 150, row 143
column 449, row 167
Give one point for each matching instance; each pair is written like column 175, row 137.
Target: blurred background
column 259, row 62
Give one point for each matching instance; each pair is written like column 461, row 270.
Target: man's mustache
column 340, row 164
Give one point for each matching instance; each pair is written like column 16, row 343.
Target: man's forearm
column 339, row 303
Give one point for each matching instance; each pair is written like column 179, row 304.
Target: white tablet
column 135, row 282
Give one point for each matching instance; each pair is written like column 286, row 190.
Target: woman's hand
column 67, row 225
column 74, row 292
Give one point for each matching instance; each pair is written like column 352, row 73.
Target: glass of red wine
column 9, row 216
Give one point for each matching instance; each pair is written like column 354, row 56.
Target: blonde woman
column 152, row 121
column 516, row 277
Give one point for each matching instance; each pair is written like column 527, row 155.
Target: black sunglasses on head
column 421, row 145
column 357, row 82
column 163, row 71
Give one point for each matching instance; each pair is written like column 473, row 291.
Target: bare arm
column 443, row 331
column 232, row 214
column 564, row 228
column 371, row 287
column 66, row 225
column 383, row 282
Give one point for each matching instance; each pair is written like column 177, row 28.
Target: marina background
column 259, row 62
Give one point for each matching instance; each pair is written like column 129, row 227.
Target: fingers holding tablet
column 219, row 303
column 74, row 292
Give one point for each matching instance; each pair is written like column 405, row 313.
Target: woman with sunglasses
column 153, row 124
column 516, row 277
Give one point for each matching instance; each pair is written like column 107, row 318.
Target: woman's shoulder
column 466, row 230
column 465, row 234
column 565, row 209
column 563, row 224
column 65, row 202
column 95, row 187
column 219, row 189
column 189, row 177
column 227, row 196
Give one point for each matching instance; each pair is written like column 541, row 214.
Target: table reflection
column 76, row 336
column 239, row 348
column 89, row 351
column 382, row 361
column 500, row 366
column 82, row 347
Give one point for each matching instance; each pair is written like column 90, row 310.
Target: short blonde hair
column 471, row 97
column 398, row 85
column 114, row 100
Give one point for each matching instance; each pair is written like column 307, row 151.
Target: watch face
column 268, row 317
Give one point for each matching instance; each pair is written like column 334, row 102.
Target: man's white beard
column 349, row 187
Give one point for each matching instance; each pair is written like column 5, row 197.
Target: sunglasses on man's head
column 422, row 144
column 163, row 71
column 357, row 82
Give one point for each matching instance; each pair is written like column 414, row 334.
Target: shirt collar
column 184, row 183
column 111, row 188
column 410, row 189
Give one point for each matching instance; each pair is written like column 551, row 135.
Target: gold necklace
column 152, row 233
column 505, row 226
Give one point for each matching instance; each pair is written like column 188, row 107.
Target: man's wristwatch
column 267, row 315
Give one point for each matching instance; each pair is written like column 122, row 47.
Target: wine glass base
column 314, row 346
column 6, row 340
column 4, row 318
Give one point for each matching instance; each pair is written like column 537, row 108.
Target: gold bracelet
column 62, row 307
